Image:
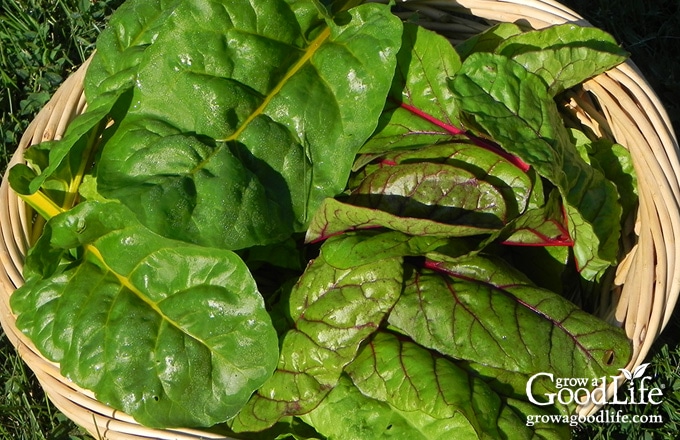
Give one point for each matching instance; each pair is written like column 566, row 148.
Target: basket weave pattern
column 618, row 105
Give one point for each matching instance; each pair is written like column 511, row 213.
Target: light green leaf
column 412, row 378
column 171, row 333
column 488, row 40
column 334, row 217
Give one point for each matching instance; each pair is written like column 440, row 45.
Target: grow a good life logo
column 583, row 391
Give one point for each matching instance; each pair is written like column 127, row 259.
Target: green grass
column 25, row 412
column 43, row 41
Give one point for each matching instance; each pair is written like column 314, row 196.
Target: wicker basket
column 618, row 104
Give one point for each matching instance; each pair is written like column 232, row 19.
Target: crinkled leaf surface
column 110, row 74
column 412, row 379
column 361, row 247
column 249, row 115
column 438, row 192
column 519, row 113
column 171, row 333
column 480, row 309
column 334, row 311
column 564, row 55
column 514, row 184
column 132, row 28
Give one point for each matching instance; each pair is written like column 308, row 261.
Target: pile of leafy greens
column 289, row 218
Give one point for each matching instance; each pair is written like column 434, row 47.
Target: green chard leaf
column 238, row 144
column 171, row 333
column 335, row 217
column 616, row 163
column 514, row 184
column 420, row 109
column 132, row 28
column 564, row 55
column 480, row 309
column 333, row 310
column 488, row 40
column 362, row 247
column 412, row 378
column 519, row 113
column 58, row 167
column 347, row 414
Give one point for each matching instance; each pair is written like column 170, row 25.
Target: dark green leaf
column 279, row 101
column 133, row 27
column 424, row 62
column 481, row 310
column 518, row 113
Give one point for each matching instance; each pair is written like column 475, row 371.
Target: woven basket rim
column 632, row 114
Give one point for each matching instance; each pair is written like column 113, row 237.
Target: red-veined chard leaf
column 347, row 414
column 519, row 113
column 171, row 333
column 564, row 55
column 260, row 129
column 421, row 110
column 514, row 184
column 438, row 192
column 335, row 217
column 424, row 62
column 412, row 379
column 543, row 226
column 480, row 309
column 333, row 310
